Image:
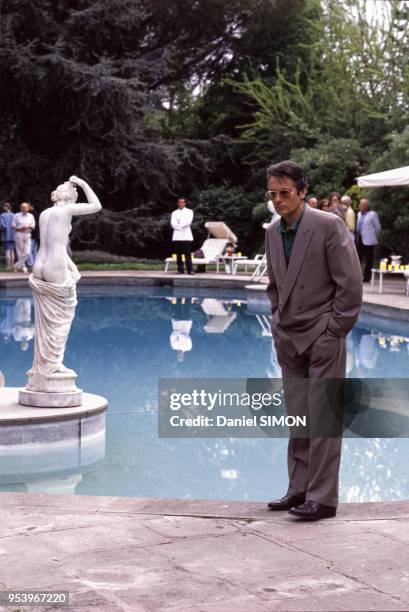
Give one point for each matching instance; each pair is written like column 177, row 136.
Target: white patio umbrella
column 390, row 178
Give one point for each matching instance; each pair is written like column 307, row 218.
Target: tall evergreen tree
column 120, row 92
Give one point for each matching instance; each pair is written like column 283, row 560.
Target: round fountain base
column 48, row 449
column 14, row 413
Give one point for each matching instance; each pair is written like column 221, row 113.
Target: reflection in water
column 23, row 326
column 123, row 340
column 180, row 339
column 220, row 315
column 58, row 486
column 376, row 354
column 17, row 321
column 7, row 310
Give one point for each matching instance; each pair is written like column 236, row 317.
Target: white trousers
column 23, row 248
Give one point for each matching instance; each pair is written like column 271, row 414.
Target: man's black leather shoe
column 313, row 511
column 286, row 502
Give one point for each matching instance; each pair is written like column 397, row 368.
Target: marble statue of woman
column 53, row 282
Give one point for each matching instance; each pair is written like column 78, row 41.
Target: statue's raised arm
column 93, row 206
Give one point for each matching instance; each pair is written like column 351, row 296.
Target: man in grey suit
column 315, row 290
column 367, row 229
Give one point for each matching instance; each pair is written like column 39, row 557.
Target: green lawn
column 111, row 266
column 120, row 266
column 98, row 260
column 124, row 266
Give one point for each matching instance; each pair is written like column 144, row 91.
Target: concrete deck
column 141, row 277
column 145, row 555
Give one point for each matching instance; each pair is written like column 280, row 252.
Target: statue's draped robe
column 54, row 312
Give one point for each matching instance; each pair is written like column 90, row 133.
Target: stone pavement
column 392, row 303
column 120, row 554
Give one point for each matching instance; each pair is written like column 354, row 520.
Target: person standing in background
column 367, row 230
column 35, row 236
column 274, row 214
column 336, row 207
column 7, row 235
column 313, row 202
column 182, row 238
column 350, row 217
column 23, row 225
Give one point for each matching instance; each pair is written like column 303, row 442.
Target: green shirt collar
column 281, row 227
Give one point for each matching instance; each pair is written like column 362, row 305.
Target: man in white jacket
column 182, row 238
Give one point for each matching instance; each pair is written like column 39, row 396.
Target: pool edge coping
column 210, row 281
column 250, row 511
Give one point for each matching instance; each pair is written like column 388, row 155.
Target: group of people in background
column 363, row 229
column 20, row 236
column 20, row 231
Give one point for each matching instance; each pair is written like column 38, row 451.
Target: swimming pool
column 124, row 338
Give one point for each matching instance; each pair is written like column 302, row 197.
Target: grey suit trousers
column 314, row 462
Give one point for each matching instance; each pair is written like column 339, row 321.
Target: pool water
column 124, row 338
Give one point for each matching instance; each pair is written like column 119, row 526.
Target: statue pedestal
column 44, row 399
column 57, row 390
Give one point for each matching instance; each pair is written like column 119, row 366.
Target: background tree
column 352, row 85
column 336, row 112
column 112, row 90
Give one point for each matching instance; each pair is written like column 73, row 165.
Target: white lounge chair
column 212, row 248
column 261, row 270
column 249, row 263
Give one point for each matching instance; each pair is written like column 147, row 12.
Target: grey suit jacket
column 370, row 228
column 322, row 287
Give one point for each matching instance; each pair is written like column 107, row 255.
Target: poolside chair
column 259, row 263
column 212, row 248
column 252, row 263
column 261, row 270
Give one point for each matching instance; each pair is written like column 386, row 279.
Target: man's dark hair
column 181, row 198
column 289, row 169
